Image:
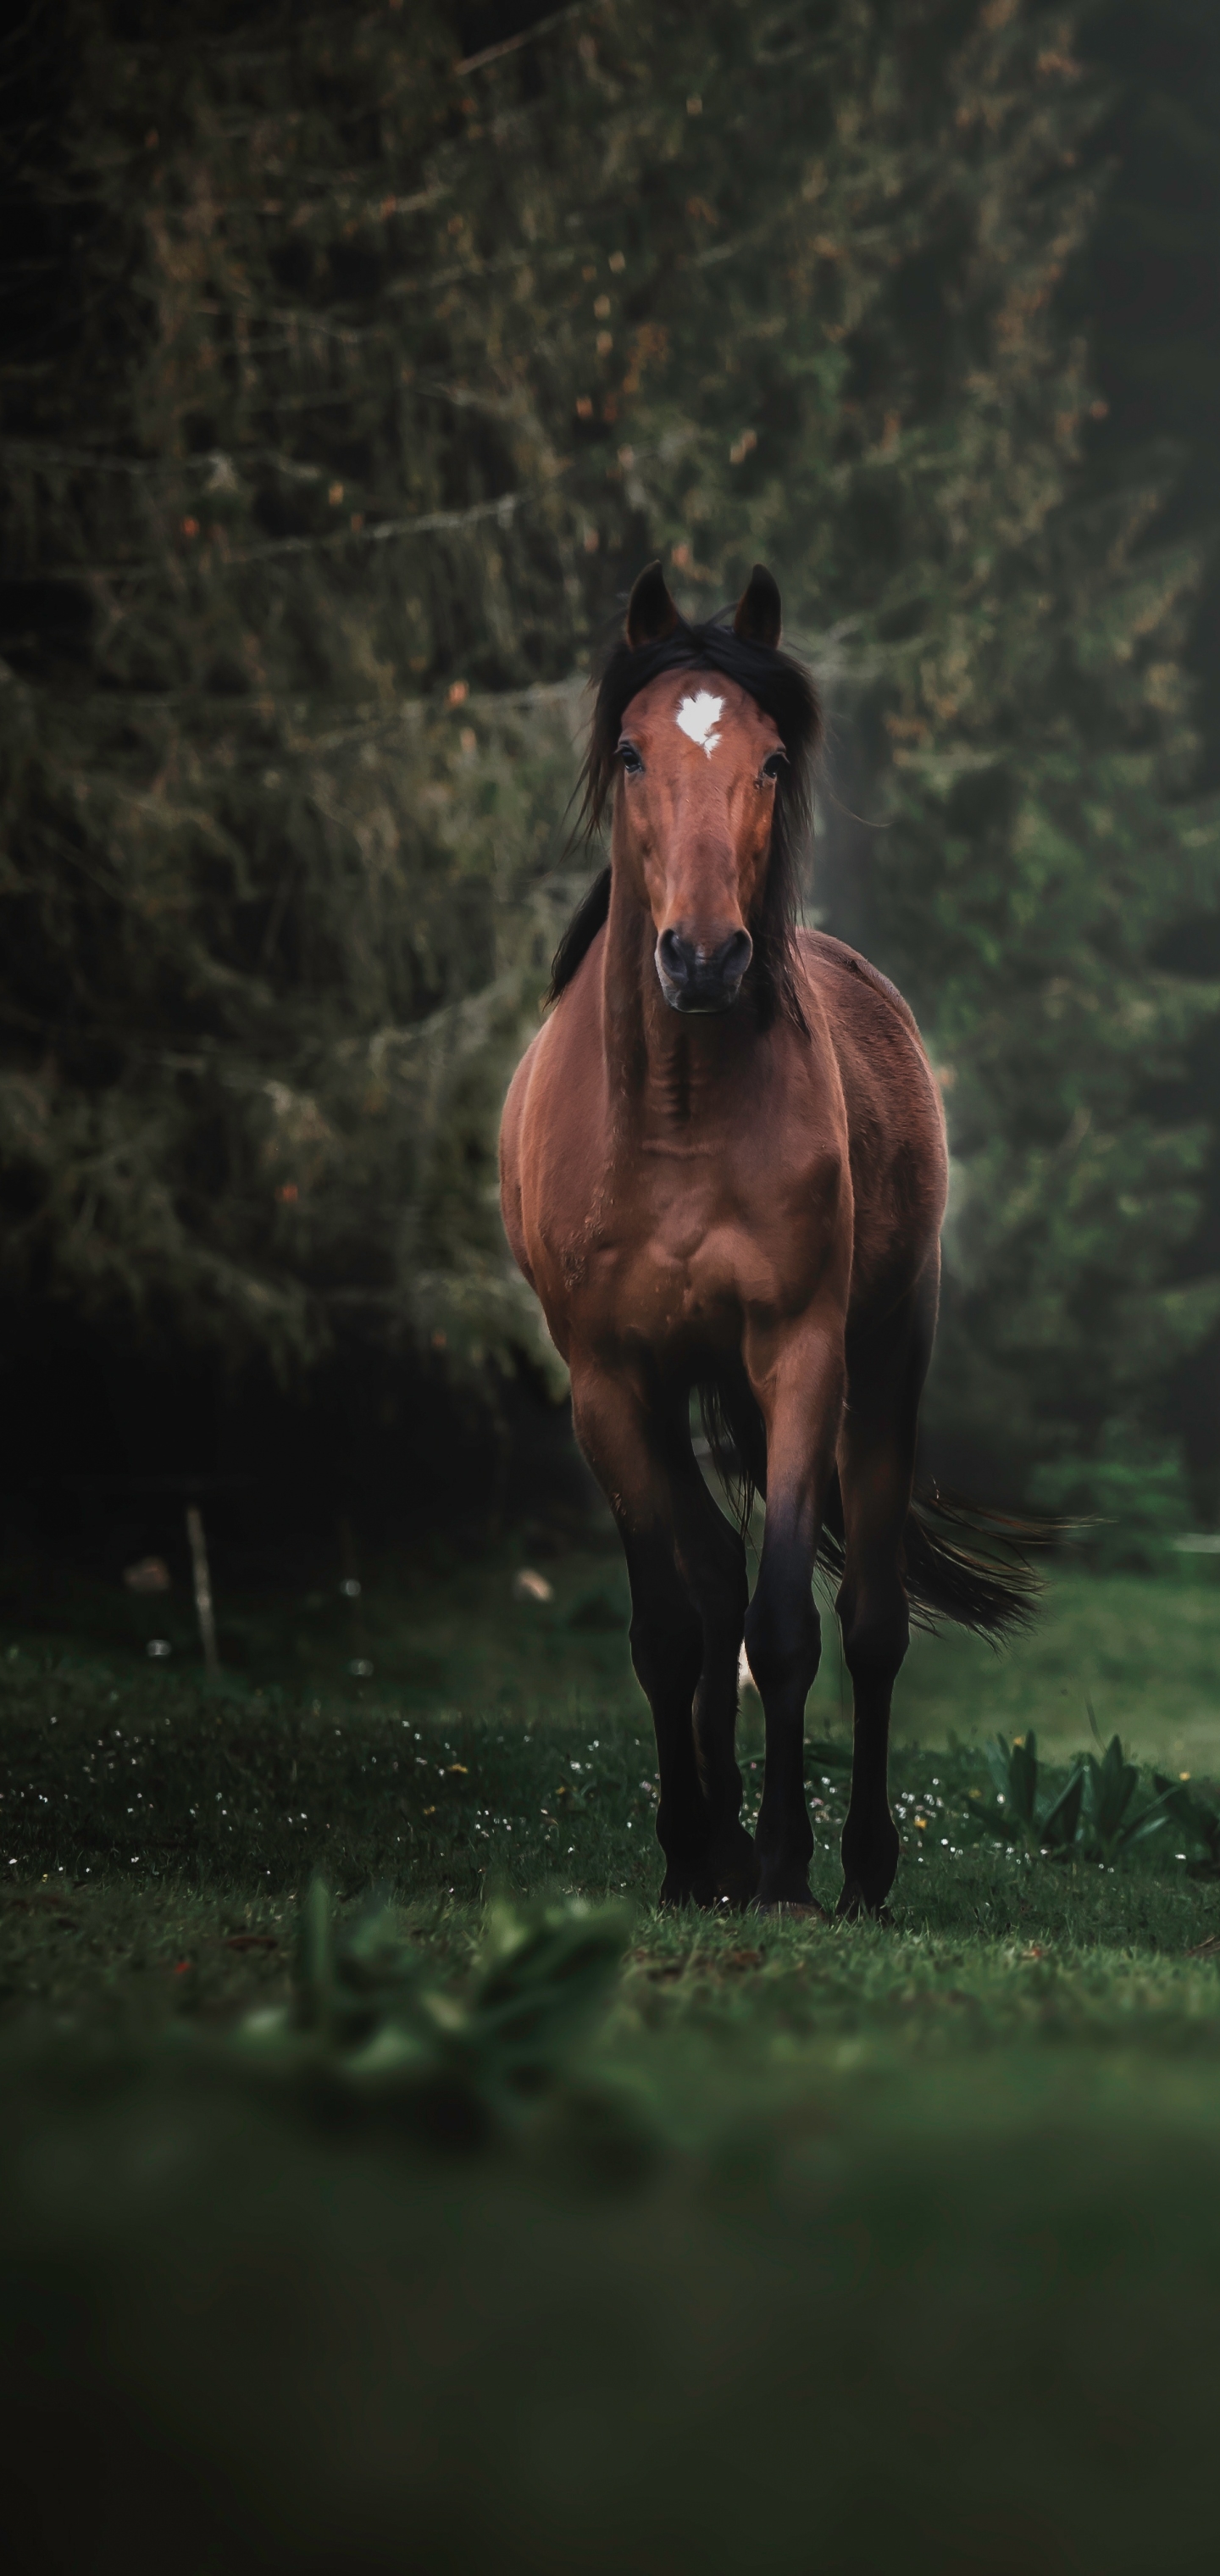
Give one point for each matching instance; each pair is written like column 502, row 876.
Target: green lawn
column 451, row 1636
column 1145, row 1654
column 603, row 2240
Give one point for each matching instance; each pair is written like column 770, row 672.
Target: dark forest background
column 354, row 360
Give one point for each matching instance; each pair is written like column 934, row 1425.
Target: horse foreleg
column 625, row 1450
column 712, row 1563
column 876, row 1476
column 800, row 1390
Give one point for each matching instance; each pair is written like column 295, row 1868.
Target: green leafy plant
column 1195, row 1818
column 1041, row 1821
column 1095, row 1813
column 1110, row 1826
column 367, row 2022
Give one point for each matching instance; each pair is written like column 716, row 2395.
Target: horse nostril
column 702, row 979
column 732, row 960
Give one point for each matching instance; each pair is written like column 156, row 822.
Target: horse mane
column 782, row 687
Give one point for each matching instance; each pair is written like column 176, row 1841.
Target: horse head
column 705, row 732
column 698, row 759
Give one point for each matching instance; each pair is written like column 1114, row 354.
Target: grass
column 1145, row 1654
column 898, row 2244
column 449, row 1634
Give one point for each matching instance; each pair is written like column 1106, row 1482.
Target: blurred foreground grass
column 857, row 2245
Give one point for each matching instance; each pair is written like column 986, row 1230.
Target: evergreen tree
column 1148, row 285
column 357, row 376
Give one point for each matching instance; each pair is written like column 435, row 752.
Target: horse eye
column 630, row 758
column 772, row 765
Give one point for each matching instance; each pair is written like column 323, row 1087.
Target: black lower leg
column 712, row 1560
column 667, row 1652
column 873, row 1648
column 783, row 1641
column 876, row 1472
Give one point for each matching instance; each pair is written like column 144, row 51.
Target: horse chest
column 669, row 1250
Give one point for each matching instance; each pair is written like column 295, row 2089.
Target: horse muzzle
column 698, row 980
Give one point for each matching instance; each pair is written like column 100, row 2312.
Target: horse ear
column 759, row 618
column 651, row 614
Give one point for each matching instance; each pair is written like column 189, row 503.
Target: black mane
column 785, row 692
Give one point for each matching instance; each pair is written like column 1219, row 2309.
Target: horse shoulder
column 511, row 1124
column 820, row 952
column 553, row 1114
column 882, row 1058
column 895, row 1114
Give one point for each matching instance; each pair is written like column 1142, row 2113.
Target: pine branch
column 528, row 36
column 390, row 531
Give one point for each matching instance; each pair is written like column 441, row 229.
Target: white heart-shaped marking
column 698, row 716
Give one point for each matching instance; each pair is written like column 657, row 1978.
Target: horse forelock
column 784, row 690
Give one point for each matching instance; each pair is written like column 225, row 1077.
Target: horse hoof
column 805, row 1905
column 735, row 1885
column 855, row 1907
column 702, row 1893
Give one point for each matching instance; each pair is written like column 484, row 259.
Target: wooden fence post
column 203, row 1586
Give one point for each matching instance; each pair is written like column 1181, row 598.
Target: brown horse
column 723, row 1169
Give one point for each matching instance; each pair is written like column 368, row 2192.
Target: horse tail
column 961, row 1561
column 736, row 1436
column 971, row 1565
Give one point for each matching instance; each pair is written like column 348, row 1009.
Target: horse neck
column 663, row 1069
